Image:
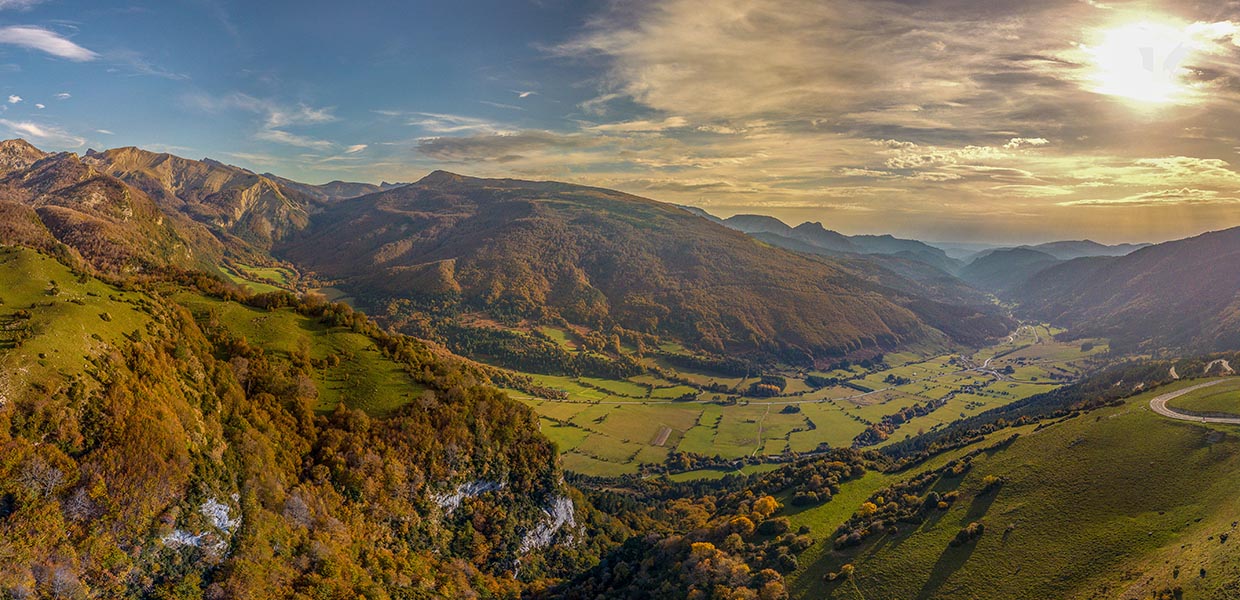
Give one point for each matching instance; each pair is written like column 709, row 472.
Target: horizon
column 950, row 121
column 878, row 232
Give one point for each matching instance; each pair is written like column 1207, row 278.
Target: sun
column 1141, row 62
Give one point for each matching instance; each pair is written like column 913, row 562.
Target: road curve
column 1159, row 405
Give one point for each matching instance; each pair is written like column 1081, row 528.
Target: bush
column 971, row 532
column 777, row 526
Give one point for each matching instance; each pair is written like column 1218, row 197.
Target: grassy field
column 364, row 377
column 1100, row 506
column 1222, row 399
column 65, row 320
column 620, row 422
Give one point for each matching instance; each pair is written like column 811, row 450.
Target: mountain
column 821, row 237
column 63, row 200
column 758, row 224
column 332, row 191
column 1069, row 250
column 544, row 250
column 1005, row 268
column 816, row 235
column 1181, row 293
column 127, row 209
column 231, row 200
column 18, row 155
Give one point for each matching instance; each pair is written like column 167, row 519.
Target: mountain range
column 597, row 258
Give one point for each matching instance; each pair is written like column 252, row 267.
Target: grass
column 364, row 379
column 1222, row 399
column 1097, row 506
column 629, row 413
column 70, row 322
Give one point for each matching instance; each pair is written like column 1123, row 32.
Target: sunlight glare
column 1141, row 62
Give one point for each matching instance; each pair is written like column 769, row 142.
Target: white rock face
column 558, row 515
column 220, row 517
column 469, row 489
column 218, row 513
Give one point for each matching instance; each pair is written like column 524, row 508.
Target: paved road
column 1159, row 405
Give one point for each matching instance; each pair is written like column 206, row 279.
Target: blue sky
column 266, row 84
column 997, row 120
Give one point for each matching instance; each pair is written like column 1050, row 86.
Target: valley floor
column 612, row 427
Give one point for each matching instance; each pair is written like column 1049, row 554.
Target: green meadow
column 1116, row 503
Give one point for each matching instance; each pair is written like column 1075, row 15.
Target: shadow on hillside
column 981, row 505
column 949, row 562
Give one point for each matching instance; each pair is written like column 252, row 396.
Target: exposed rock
column 558, row 516
column 469, row 489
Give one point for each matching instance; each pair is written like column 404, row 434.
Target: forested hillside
column 537, row 250
column 147, row 450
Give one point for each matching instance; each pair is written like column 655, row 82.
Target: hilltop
column 536, row 250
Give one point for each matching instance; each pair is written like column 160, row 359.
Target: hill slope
column 521, row 249
column 1181, row 293
column 1006, row 268
column 153, row 452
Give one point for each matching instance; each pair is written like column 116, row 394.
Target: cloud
column 18, row 4
column 441, row 123
column 275, row 117
column 140, row 65
column 1018, row 142
column 14, row 99
column 643, row 125
column 525, row 94
column 280, row 136
column 1182, row 196
column 354, row 149
column 44, row 133
column 497, row 147
column 63, row 96
column 40, row 106
column 104, row 132
column 38, row 38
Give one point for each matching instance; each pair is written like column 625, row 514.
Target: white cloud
column 104, row 132
column 641, row 125
column 280, row 136
column 276, row 117
column 40, row 106
column 63, row 96
column 14, row 99
column 354, row 149
column 18, row 4
column 1182, row 196
column 440, row 123
column 44, row 133
column 1019, row 142
column 38, row 38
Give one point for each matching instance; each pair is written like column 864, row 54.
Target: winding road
column 1159, row 405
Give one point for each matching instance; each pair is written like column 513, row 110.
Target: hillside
column 826, row 241
column 61, row 199
column 1181, row 293
column 1006, row 268
column 254, row 447
column 535, row 250
column 1068, row 250
column 1119, row 503
column 232, row 200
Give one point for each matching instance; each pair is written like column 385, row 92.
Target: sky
column 963, row 120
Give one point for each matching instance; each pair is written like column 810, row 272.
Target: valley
column 506, row 388
column 615, row 427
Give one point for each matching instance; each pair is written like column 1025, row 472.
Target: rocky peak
column 17, row 155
